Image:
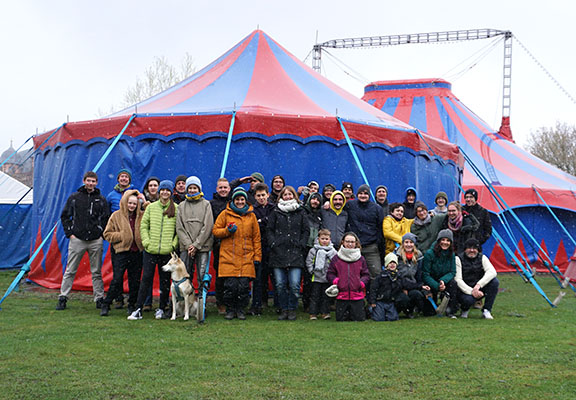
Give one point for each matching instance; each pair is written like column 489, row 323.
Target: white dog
column 181, row 288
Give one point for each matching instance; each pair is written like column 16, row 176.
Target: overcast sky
column 63, row 59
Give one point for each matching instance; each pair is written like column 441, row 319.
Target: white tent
column 12, row 190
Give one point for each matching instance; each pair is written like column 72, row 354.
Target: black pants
column 319, row 301
column 119, row 296
column 149, row 263
column 236, row 293
column 219, row 283
column 350, row 310
column 452, row 290
column 131, row 262
column 407, row 302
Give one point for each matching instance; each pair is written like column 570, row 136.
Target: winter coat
column 335, row 223
column 468, row 230
column 287, row 237
column 194, row 224
column 251, row 193
column 350, row 277
column 114, row 197
column 365, row 220
column 118, row 230
column 410, row 208
column 485, row 223
column 158, row 231
column 262, row 214
column 241, row 249
column 436, row 268
column 385, row 287
column 317, row 266
column 394, row 230
column 314, row 221
column 218, row 204
column 473, row 271
column 85, row 215
column 410, row 272
column 427, row 233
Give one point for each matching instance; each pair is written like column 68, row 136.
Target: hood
column 124, row 201
column 332, row 204
column 410, row 188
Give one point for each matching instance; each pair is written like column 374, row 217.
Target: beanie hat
column 473, row 192
column 124, row 171
column 193, row 180
column 347, row 185
column 472, row 243
column 363, row 188
column 389, row 258
column 420, row 204
column 166, row 184
column 312, row 183
column 441, row 194
column 181, row 178
column 279, row 177
column 382, row 187
column 410, row 236
column 239, row 191
column 445, row 233
column 258, row 176
column 328, row 186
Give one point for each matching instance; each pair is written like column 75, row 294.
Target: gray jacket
column 194, row 223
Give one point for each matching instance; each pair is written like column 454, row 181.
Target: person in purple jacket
column 348, row 271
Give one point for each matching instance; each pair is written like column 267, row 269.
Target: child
column 317, row 263
column 349, row 272
column 384, row 291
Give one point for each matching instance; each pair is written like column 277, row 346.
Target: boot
column 292, row 315
column 240, row 315
column 283, row 315
column 61, row 303
column 105, row 310
column 230, row 314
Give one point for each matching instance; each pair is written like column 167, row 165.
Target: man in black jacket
column 84, row 218
column 472, row 207
column 218, row 203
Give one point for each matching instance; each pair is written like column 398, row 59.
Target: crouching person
column 385, row 290
column 476, row 279
column 240, row 249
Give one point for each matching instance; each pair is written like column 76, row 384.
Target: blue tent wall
column 15, row 234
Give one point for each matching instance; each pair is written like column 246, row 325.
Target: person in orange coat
column 240, row 250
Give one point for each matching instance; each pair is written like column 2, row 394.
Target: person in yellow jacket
column 240, row 249
column 395, row 226
column 159, row 239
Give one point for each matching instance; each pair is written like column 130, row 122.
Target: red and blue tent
column 526, row 183
column 276, row 114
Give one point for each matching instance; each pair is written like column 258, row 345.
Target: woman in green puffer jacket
column 159, row 238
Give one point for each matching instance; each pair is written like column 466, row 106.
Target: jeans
column 76, row 250
column 490, row 291
column 288, row 287
column 384, row 312
column 149, row 263
column 130, row 261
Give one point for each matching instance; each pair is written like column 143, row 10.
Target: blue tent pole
column 15, row 151
column 228, row 143
column 111, row 147
column 555, row 216
column 355, row 155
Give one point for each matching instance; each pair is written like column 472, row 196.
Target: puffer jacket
column 118, row 231
column 394, row 230
column 436, row 268
column 157, row 230
column 238, row 250
column 350, row 277
column 386, row 287
column 194, row 224
column 287, row 238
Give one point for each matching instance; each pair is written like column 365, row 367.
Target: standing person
column 348, row 190
column 426, row 226
column 306, row 191
column 84, row 218
column 441, row 202
column 410, row 203
column 476, row 279
column 287, row 236
column 463, row 225
column 278, row 184
column 194, row 228
column 472, row 207
column 151, row 189
column 179, row 194
column 385, row 291
column 253, row 179
column 382, row 198
column 218, row 203
column 124, row 182
column 395, row 226
column 314, row 220
column 410, row 275
column 317, row 263
column 327, row 191
column 159, row 239
column 123, row 232
column 439, row 270
column 335, row 218
column 348, row 271
column 240, row 251
column 365, row 220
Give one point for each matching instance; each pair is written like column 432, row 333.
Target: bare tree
column 555, row 145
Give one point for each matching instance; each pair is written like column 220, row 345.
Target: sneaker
column 137, row 314
column 221, row 309
column 451, row 316
column 313, row 317
column 104, row 310
column 61, row 303
column 240, row 315
column 464, row 314
column 230, row 315
column 291, row 315
column 283, row 315
column 159, row 314
column 325, row 316
column 487, row 314
column 99, row 303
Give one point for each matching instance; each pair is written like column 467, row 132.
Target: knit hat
column 420, row 204
column 193, row 180
column 279, row 177
column 347, row 185
column 166, row 184
column 181, row 178
column 363, row 189
column 332, row 291
column 124, row 171
column 258, row 176
column 473, row 192
column 410, row 236
column 389, row 258
column 239, row 191
column 312, row 183
column 445, row 233
column 328, row 186
column 472, row 243
column 441, row 194
column 381, row 187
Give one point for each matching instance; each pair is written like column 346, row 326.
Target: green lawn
column 527, row 352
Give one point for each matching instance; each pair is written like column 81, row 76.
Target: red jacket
column 351, row 278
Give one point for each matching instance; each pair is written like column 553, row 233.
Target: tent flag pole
column 228, row 143
column 554, row 215
column 355, row 155
column 15, row 151
column 26, row 267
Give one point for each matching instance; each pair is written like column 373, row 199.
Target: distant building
column 20, row 166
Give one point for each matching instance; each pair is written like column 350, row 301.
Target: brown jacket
column 118, row 231
column 238, row 250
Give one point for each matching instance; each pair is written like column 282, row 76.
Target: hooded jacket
column 194, row 224
column 158, row 231
column 394, row 230
column 118, row 230
column 85, row 214
column 410, row 208
column 313, row 218
column 334, row 220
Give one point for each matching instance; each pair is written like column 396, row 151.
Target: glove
column 232, row 227
column 332, row 291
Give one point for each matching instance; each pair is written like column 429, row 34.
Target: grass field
column 527, row 352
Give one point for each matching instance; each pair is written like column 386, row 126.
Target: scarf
column 194, row 197
column 456, row 223
column 422, row 222
column 349, row 255
column 239, row 211
column 288, row 205
column 322, row 253
column 119, row 189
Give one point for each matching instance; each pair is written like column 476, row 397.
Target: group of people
column 331, row 248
